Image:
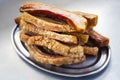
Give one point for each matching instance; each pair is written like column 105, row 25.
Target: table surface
column 12, row 67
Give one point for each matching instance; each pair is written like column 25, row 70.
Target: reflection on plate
column 92, row 64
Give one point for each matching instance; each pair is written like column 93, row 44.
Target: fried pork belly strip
column 87, row 50
column 79, row 23
column 56, row 47
column 46, row 25
column 61, row 37
column 91, row 50
column 81, row 37
column 23, row 37
column 57, row 60
column 46, row 58
column 30, row 28
column 99, row 39
column 17, row 20
column 91, row 18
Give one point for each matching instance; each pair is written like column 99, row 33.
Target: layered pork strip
column 79, row 23
column 71, row 39
column 62, row 49
column 99, row 39
column 46, row 25
column 82, row 37
column 59, row 48
column 56, row 46
column 91, row 50
column 46, row 58
column 91, row 18
column 42, row 57
column 30, row 28
column 17, row 20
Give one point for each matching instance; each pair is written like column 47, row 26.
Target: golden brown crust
column 17, row 20
column 79, row 23
column 23, row 36
column 91, row 18
column 30, row 28
column 99, row 39
column 55, row 46
column 46, row 58
column 46, row 25
column 39, row 56
column 91, row 50
column 83, row 38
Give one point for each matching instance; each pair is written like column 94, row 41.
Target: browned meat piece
column 56, row 46
column 87, row 50
column 92, row 21
column 23, row 36
column 57, row 60
column 53, row 45
column 46, row 25
column 47, row 58
column 99, row 39
column 79, row 23
column 30, row 28
column 91, row 50
column 82, row 37
column 91, row 18
column 17, row 20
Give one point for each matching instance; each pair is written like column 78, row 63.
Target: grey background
column 12, row 67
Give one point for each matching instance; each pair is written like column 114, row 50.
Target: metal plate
column 92, row 64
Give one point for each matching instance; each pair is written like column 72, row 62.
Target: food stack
column 56, row 36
